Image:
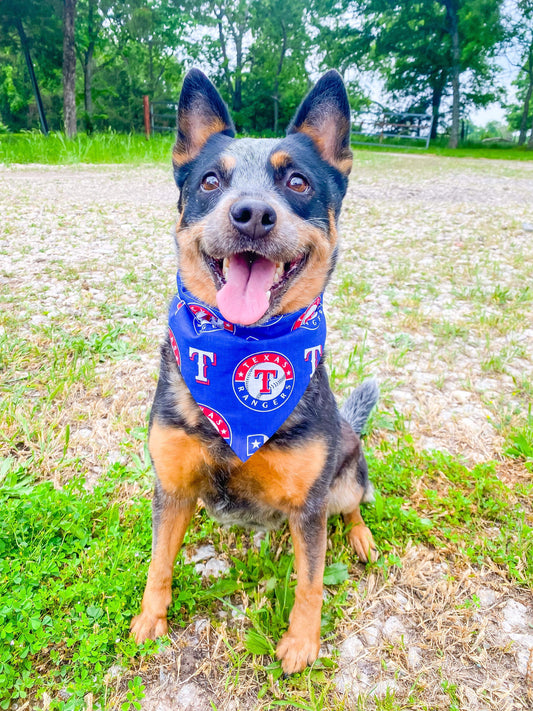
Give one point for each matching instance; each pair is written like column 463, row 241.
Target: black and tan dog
column 273, row 203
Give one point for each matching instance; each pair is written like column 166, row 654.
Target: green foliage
column 520, row 442
column 455, row 506
column 71, row 564
column 108, row 147
column 410, row 45
column 259, row 53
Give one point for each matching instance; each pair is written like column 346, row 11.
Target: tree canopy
column 436, row 56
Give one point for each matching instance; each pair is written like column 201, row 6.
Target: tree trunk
column 69, row 68
column 453, row 29
column 87, row 87
column 87, row 60
column 237, row 92
column 278, row 74
column 225, row 59
column 528, row 69
column 436, row 98
column 525, row 113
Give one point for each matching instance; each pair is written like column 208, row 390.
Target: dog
column 257, row 243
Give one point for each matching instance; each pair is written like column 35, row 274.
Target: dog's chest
column 233, row 499
column 262, row 490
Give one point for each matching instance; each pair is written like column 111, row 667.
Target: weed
column 520, row 442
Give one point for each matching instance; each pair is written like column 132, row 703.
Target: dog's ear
column 324, row 115
column 201, row 114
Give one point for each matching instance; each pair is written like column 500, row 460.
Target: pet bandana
column 246, row 379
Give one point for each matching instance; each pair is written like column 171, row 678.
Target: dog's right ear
column 201, row 114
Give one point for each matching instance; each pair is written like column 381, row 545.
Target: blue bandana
column 246, row 379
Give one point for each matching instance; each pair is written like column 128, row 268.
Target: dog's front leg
column 300, row 645
column 170, row 519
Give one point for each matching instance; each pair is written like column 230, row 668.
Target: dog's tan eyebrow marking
column 280, row 159
column 227, row 162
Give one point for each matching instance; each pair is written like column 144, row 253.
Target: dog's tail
column 356, row 410
column 359, row 404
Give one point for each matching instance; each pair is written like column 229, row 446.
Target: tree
column 256, row 50
column 520, row 29
column 42, row 29
column 69, row 68
column 424, row 49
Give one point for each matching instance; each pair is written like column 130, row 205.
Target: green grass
column 467, row 150
column 73, row 564
column 520, row 442
column 111, row 147
column 108, row 147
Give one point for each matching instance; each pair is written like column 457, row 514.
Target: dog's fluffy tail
column 359, row 404
column 356, row 410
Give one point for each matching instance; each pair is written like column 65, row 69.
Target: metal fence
column 379, row 126
column 163, row 116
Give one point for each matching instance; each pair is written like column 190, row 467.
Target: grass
column 73, row 564
column 111, row 147
column 75, row 528
column 107, row 147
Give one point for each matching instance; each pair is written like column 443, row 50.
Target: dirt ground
column 434, row 291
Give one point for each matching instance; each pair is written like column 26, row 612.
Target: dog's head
column 257, row 231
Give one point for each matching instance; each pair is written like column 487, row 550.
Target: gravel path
column 433, row 295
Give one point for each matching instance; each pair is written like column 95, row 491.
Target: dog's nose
column 254, row 218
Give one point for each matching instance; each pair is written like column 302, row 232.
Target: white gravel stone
column 394, row 630
column 523, row 650
column 215, row 567
column 202, row 553
column 258, row 538
column 382, row 687
column 353, row 682
column 371, row 635
column 191, row 698
column 514, row 616
column 414, row 658
column 487, row 597
column 351, row 649
column 523, row 657
column 402, row 601
column 115, row 671
column 201, row 625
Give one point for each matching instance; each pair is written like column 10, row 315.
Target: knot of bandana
column 246, row 379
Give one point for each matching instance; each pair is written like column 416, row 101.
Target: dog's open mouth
column 248, row 284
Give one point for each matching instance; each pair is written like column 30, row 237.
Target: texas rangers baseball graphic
column 264, row 381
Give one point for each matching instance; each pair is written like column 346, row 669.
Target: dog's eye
column 298, row 183
column 210, row 182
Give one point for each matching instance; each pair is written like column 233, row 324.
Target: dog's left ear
column 201, row 114
column 324, row 115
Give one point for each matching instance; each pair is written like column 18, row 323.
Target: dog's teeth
column 268, row 294
column 279, row 271
column 225, row 266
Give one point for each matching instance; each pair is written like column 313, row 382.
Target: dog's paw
column 361, row 540
column 146, row 626
column 296, row 652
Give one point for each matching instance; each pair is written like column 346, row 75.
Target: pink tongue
column 243, row 298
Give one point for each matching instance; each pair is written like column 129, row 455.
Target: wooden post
column 146, row 105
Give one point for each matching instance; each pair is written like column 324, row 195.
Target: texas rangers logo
column 218, row 422
column 205, row 320
column 310, row 318
column 264, row 381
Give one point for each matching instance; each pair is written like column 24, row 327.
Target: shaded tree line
column 95, row 59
